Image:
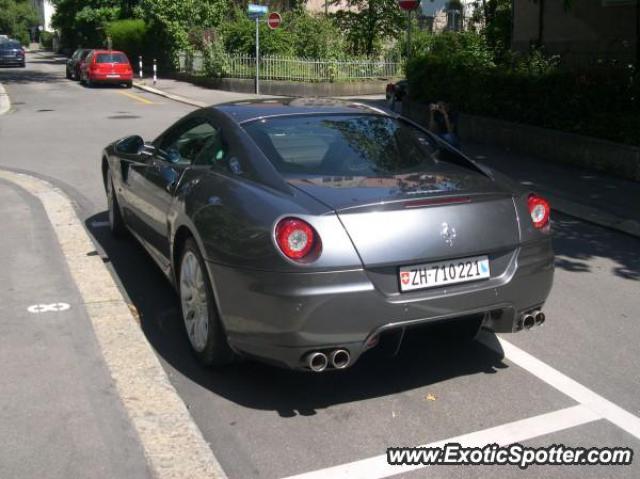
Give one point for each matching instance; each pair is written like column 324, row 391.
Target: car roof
column 243, row 111
column 108, row 52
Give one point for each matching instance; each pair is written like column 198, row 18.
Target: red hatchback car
column 106, row 66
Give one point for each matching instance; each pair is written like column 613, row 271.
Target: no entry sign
column 408, row 4
column 274, row 20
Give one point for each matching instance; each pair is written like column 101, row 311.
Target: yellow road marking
column 137, row 98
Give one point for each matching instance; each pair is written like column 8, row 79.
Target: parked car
column 300, row 231
column 74, row 63
column 395, row 92
column 12, row 53
column 106, row 66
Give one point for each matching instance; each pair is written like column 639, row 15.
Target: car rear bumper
column 108, row 79
column 12, row 61
column 282, row 317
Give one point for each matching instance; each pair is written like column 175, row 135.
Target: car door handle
column 215, row 201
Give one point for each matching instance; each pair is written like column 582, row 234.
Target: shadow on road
column 22, row 76
column 423, row 360
column 576, row 243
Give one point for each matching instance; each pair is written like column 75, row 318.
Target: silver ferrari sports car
column 302, row 231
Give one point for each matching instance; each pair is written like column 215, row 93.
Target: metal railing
column 295, row 69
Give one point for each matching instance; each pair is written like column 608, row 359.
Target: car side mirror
column 131, row 145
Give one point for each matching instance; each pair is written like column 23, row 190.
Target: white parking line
column 576, row 391
column 518, row 431
column 591, row 407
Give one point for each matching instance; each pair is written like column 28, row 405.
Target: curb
column 593, row 215
column 567, row 207
column 5, row 101
column 173, row 445
column 178, row 98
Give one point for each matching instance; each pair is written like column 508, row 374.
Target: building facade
column 45, row 9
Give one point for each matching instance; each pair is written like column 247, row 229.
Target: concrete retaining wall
column 551, row 145
column 291, row 88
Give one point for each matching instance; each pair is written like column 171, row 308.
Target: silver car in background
column 303, row 231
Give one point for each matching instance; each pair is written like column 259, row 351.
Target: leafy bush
column 16, row 17
column 46, row 40
column 315, row 36
column 170, row 23
column 239, row 34
column 130, row 36
column 216, row 61
column 532, row 89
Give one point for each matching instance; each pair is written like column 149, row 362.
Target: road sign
column 274, row 20
column 408, row 4
column 256, row 11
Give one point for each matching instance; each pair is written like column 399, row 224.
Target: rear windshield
column 346, row 145
column 111, row 58
column 10, row 45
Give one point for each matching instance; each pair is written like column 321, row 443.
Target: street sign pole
column 409, row 34
column 257, row 55
column 408, row 6
column 256, row 12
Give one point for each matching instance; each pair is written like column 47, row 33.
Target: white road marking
column 576, row 391
column 48, row 308
column 173, row 445
column 99, row 224
column 518, row 431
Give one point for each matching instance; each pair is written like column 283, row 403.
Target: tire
column 68, row 75
column 198, row 309
column 116, row 222
column 88, row 83
column 128, row 84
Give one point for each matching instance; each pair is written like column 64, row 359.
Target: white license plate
column 113, row 76
column 431, row 275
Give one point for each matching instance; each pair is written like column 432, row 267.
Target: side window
column 185, row 144
column 214, row 152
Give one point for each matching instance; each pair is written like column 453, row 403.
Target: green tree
column 368, row 23
column 16, row 18
column 82, row 22
column 172, row 21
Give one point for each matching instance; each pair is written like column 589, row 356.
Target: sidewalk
column 59, row 410
column 590, row 196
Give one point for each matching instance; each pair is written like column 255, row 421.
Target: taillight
column 296, row 238
column 540, row 211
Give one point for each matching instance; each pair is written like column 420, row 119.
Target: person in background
column 443, row 123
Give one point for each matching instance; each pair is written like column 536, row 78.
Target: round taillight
column 295, row 237
column 540, row 210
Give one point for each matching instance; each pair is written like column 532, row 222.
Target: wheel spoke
column 193, row 297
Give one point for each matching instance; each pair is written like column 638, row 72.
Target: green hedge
column 130, row 36
column 600, row 101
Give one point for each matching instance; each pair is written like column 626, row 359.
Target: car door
column 175, row 153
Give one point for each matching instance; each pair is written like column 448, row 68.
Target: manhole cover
column 43, row 110
column 123, row 117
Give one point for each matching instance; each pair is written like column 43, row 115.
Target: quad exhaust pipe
column 534, row 318
column 318, row 361
column 340, row 358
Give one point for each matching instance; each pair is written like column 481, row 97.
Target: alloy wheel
column 193, row 298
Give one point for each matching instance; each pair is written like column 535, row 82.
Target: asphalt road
column 266, row 422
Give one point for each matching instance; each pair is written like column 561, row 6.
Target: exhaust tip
column 340, row 358
column 528, row 321
column 540, row 318
column 317, row 362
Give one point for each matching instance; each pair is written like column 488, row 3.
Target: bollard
column 140, row 66
column 155, row 71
